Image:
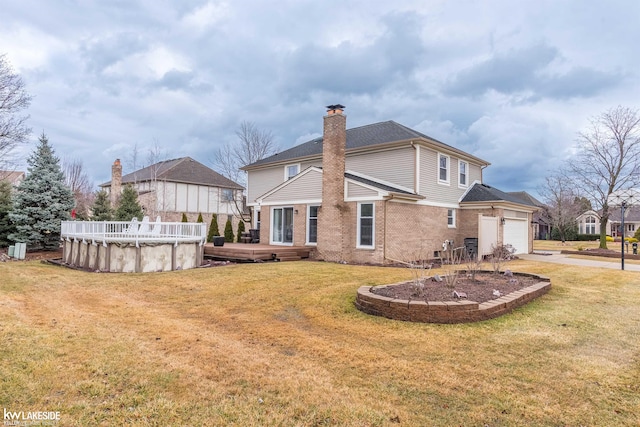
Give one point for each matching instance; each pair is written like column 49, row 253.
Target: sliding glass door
column 282, row 225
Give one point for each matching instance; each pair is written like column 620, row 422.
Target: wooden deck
column 244, row 252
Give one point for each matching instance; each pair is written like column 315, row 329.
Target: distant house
column 589, row 222
column 541, row 219
column 173, row 187
column 13, row 177
column 379, row 193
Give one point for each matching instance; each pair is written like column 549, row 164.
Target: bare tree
column 563, row 206
column 254, row 144
column 77, row 179
column 13, row 99
column 608, row 158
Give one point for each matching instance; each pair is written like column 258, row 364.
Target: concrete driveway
column 558, row 258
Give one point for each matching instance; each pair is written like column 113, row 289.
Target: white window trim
column 286, row 169
column 461, row 162
column 373, row 227
column 448, row 180
column 453, row 215
column 308, row 243
column 271, row 228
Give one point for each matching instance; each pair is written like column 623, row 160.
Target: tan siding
column 263, row 180
column 354, row 190
column 307, row 165
column 306, row 187
column 442, row 193
column 394, row 166
column 475, row 173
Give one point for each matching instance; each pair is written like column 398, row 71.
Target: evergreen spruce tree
column 102, row 207
column 6, row 227
column 128, row 207
column 240, row 230
column 42, row 201
column 213, row 228
column 184, row 217
column 199, row 218
column 228, row 231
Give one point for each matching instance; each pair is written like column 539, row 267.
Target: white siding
column 167, row 196
column 203, row 199
column 181, row 197
column 394, row 166
column 213, row 204
column 192, row 198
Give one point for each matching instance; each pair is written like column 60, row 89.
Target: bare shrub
column 451, row 259
column 420, row 267
column 474, row 265
column 500, row 255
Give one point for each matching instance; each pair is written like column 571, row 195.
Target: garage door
column 516, row 234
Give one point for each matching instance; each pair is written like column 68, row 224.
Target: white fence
column 134, row 231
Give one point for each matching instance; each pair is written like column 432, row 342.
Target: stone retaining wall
column 462, row 311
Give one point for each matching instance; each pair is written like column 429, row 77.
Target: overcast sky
column 511, row 82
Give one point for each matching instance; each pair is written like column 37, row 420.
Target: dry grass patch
column 282, row 344
column 556, row 245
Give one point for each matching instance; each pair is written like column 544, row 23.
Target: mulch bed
column 480, row 290
column 606, row 253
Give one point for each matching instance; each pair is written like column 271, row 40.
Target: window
column 462, row 169
column 632, row 227
column 365, row 225
column 443, row 169
column 290, row 171
column 590, row 225
column 227, row 195
column 312, row 224
column 451, row 218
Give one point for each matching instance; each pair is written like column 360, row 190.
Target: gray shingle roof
column 376, row 184
column 363, row 136
column 486, row 193
column 526, row 197
column 184, row 169
column 630, row 214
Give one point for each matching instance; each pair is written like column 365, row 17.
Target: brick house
column 379, row 193
column 172, row 187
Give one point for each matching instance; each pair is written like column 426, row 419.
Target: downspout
column 416, row 172
column 384, row 245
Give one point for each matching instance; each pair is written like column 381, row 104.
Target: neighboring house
column 541, row 220
column 380, row 193
column 173, row 187
column 589, row 223
column 631, row 222
column 13, row 177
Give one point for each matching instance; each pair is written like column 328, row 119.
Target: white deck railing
column 134, row 231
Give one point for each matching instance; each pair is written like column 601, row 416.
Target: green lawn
column 281, row 344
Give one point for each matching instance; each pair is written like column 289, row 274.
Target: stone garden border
column 462, row 311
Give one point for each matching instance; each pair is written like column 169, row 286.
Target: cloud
column 351, row 68
column 529, row 71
